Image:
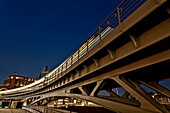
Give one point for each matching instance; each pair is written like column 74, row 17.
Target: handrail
column 125, row 9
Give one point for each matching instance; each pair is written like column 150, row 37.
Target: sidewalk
column 9, row 110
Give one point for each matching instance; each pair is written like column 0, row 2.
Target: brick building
column 15, row 81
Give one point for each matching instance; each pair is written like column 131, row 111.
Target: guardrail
column 126, row 8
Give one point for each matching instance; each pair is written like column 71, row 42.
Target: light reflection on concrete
column 7, row 110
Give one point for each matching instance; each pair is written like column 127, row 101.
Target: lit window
column 60, row 103
column 60, row 99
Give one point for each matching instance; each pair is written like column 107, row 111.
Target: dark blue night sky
column 36, row 33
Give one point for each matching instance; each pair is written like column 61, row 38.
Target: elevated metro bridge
column 129, row 50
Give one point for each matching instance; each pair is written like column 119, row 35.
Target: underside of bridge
column 134, row 57
column 136, row 61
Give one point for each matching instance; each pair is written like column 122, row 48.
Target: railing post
column 51, row 77
column 47, row 80
column 99, row 34
column 61, row 69
column 87, row 45
column 44, row 81
column 66, row 65
column 55, row 74
column 78, row 53
column 58, row 72
column 71, row 59
column 120, row 24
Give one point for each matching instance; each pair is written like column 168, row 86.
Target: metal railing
column 126, row 8
column 115, row 19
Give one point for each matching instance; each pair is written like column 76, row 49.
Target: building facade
column 15, row 81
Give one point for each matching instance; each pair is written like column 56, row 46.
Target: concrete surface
column 8, row 110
